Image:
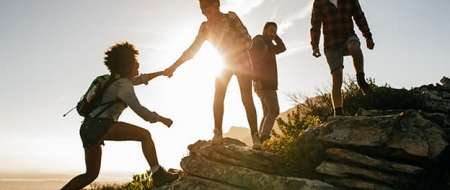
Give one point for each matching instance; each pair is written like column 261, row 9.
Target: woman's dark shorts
column 93, row 130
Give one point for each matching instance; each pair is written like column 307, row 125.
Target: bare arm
column 144, row 78
column 316, row 25
column 279, row 47
column 127, row 95
column 361, row 21
column 190, row 52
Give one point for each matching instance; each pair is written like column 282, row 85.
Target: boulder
column 445, row 82
column 402, row 136
column 236, row 153
column 436, row 97
column 233, row 165
column 347, row 156
column 346, row 183
column 346, row 171
column 246, row 178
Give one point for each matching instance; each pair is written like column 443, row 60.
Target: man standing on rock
column 229, row 35
column 340, row 39
column 263, row 52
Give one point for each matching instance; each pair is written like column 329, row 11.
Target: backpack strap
column 110, row 103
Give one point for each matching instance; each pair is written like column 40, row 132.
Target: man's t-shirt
column 263, row 53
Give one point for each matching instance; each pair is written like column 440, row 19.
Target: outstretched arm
column 144, row 78
column 126, row 94
column 316, row 25
column 190, row 52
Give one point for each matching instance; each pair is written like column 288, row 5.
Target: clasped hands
column 169, row 72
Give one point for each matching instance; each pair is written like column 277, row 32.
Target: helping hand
column 169, row 72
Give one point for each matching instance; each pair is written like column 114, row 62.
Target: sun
column 209, row 61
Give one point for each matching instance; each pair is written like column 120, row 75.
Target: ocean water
column 49, row 182
column 30, row 185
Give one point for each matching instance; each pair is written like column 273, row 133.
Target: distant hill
column 243, row 134
column 240, row 133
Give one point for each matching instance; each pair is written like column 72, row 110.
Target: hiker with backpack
column 227, row 33
column 101, row 107
column 336, row 17
column 263, row 53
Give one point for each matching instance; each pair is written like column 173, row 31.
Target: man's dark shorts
column 335, row 55
column 93, row 130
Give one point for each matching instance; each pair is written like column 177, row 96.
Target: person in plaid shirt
column 228, row 34
column 336, row 17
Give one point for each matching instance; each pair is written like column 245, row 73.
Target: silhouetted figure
column 227, row 33
column 337, row 17
column 263, row 52
column 102, row 123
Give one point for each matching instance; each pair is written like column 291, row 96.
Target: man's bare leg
column 358, row 62
column 336, row 94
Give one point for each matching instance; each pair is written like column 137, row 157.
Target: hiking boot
column 360, row 78
column 217, row 139
column 162, row 177
column 256, row 142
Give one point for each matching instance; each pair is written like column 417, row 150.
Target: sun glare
column 210, row 61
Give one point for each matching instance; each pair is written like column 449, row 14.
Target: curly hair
column 121, row 58
column 206, row 3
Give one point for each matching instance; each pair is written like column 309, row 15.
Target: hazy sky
column 52, row 49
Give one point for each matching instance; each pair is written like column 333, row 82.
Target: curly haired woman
column 102, row 124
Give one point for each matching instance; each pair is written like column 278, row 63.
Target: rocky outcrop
column 377, row 152
column 233, row 165
column 370, row 151
column 437, row 96
column 374, row 150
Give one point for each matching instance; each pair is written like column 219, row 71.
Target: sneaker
column 256, row 142
column 162, row 177
column 360, row 78
column 217, row 139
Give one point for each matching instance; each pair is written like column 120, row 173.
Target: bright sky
column 52, row 49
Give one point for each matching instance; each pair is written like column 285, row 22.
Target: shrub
column 140, row 182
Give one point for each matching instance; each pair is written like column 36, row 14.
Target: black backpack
column 93, row 97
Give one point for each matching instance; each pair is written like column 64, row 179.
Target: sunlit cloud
column 295, row 48
column 301, row 14
column 241, row 7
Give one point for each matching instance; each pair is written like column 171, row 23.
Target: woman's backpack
column 93, row 96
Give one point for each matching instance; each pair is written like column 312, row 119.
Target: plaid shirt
column 337, row 22
column 230, row 36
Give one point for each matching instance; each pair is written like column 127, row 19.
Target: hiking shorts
column 335, row 55
column 93, row 130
